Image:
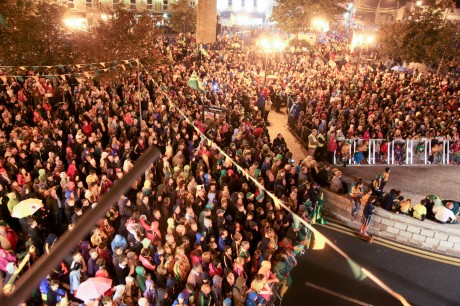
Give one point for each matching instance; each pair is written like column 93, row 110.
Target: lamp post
column 361, row 40
column 270, row 45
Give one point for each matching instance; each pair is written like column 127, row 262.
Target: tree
column 125, row 35
column 294, row 15
column 183, row 17
column 424, row 37
column 32, row 33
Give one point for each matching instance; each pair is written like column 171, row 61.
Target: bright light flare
column 278, row 44
column 275, row 44
column 265, row 44
column 320, row 24
column 361, row 39
column 104, row 17
column 75, row 23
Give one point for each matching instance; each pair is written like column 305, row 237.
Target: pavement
column 323, row 277
column 278, row 124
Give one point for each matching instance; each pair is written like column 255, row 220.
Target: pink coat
column 5, row 259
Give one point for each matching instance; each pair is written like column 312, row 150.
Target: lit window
column 132, row 6
column 89, row 3
column 71, row 4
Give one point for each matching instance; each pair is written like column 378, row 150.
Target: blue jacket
column 119, row 241
column 261, row 102
column 253, row 299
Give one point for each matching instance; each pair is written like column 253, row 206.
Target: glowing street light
column 274, row 44
column 361, row 40
column 265, row 43
column 75, row 23
column 320, row 24
column 270, row 45
column 104, row 17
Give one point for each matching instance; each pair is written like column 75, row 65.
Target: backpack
column 12, row 237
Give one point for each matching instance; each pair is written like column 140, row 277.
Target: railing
column 395, row 152
column 276, row 298
column 380, row 151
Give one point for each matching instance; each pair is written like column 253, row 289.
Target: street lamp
column 361, row 40
column 320, row 24
column 104, row 17
column 270, row 45
column 75, row 23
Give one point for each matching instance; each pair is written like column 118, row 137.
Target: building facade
column 231, row 12
column 244, row 12
column 91, row 11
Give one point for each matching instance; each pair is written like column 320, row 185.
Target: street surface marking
column 344, row 297
column 385, row 241
column 400, row 247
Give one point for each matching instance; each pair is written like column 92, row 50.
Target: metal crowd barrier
column 398, row 152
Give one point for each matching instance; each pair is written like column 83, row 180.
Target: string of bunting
column 34, row 67
column 87, row 74
column 359, row 272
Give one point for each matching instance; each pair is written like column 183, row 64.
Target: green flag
column 357, row 270
column 195, row 83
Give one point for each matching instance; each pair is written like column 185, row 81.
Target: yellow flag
column 319, row 242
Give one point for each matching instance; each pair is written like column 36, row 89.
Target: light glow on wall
column 222, row 5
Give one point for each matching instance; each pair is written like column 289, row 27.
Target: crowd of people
column 194, row 229
column 328, row 93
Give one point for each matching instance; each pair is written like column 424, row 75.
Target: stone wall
column 206, row 25
column 428, row 235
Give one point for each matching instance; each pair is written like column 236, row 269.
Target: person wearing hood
column 141, row 278
column 253, row 299
column 239, row 291
column 180, row 301
column 12, row 201
column 151, row 231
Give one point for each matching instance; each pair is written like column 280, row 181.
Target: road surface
column 323, row 277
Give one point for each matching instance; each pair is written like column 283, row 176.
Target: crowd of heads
column 194, row 229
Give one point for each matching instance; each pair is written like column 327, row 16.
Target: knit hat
column 260, row 197
column 279, row 157
column 249, row 195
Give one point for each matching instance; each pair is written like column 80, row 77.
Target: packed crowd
column 327, row 93
column 193, row 230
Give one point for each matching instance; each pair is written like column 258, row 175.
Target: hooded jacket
column 239, row 290
column 140, row 278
